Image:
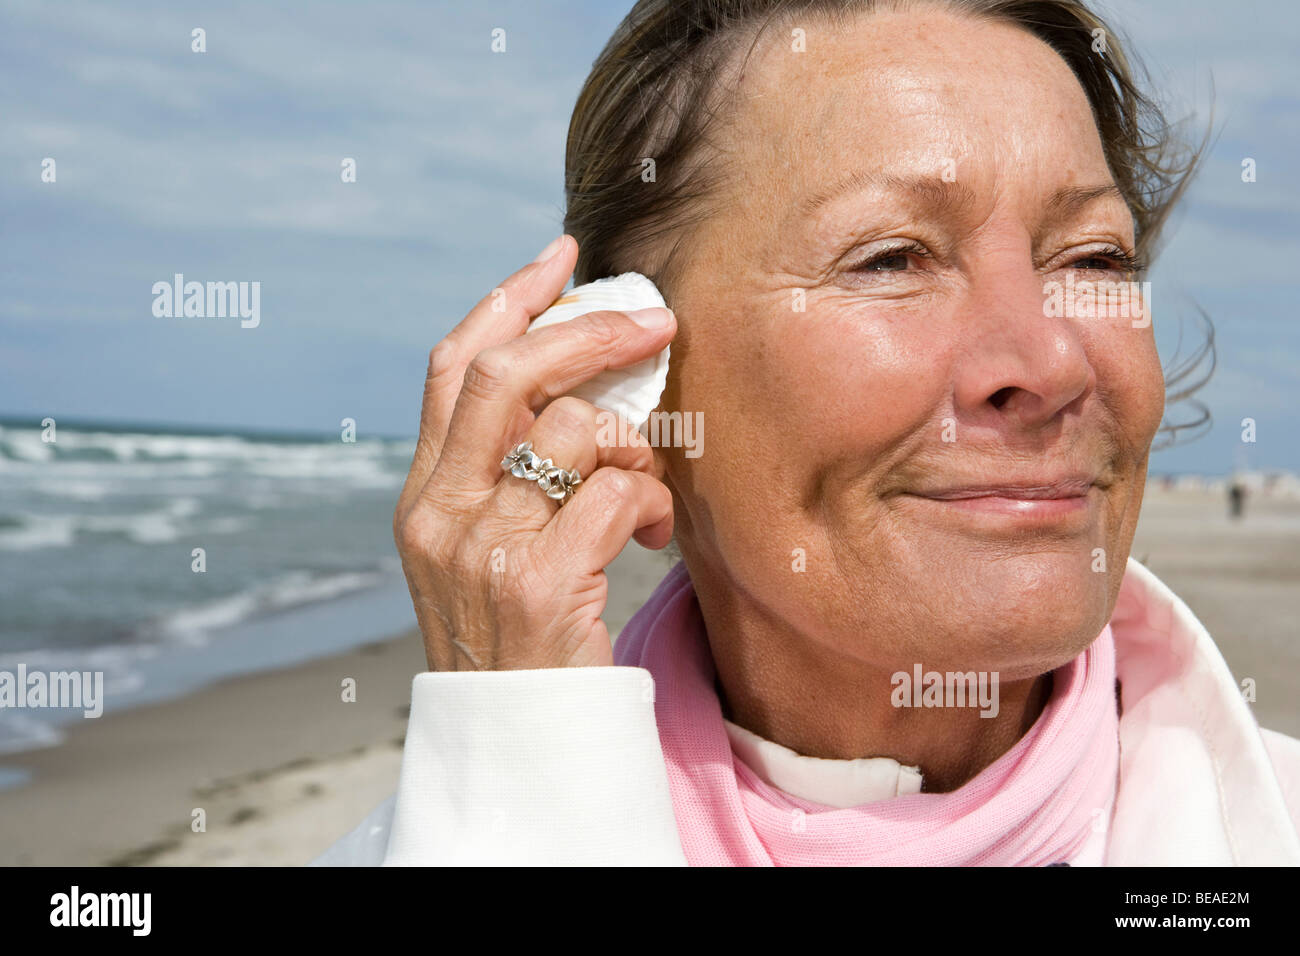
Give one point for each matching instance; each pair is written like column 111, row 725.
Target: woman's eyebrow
column 933, row 191
column 1073, row 198
column 943, row 195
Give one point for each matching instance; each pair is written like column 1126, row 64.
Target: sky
column 225, row 166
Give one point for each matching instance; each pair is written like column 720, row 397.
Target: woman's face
column 863, row 328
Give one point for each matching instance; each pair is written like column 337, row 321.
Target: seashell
column 632, row 392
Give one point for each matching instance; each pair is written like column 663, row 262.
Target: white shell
column 632, row 392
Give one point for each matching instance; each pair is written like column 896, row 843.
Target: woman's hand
column 502, row 577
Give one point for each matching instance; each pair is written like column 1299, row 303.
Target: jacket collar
column 1196, row 785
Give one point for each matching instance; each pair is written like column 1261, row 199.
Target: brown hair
column 656, row 89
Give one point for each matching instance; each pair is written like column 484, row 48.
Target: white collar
column 832, row 783
column 1196, row 784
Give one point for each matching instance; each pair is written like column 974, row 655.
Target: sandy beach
column 281, row 766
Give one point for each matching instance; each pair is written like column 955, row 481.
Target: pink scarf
column 1036, row 804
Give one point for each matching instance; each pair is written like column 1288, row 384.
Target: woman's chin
column 1018, row 614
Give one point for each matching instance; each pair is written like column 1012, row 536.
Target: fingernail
column 550, row 250
column 651, row 318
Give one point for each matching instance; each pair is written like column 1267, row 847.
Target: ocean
column 98, row 533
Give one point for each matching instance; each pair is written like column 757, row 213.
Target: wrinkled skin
column 826, row 426
column 922, row 320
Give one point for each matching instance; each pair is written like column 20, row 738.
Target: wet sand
column 279, row 764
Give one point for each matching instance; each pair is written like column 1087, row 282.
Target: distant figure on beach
column 906, row 629
column 1236, row 499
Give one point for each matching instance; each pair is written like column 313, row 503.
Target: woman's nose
column 1018, row 366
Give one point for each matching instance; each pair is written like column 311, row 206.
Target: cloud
column 225, row 166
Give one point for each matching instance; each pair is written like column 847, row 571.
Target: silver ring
column 523, row 462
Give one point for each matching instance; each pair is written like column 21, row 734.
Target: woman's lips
column 1028, row 507
column 1042, row 500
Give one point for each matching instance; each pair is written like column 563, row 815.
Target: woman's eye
column 1108, row 260
column 894, row 262
column 890, row 260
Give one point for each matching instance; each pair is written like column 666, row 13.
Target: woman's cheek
column 801, row 395
column 854, row 377
column 1130, row 378
column 1122, row 351
column 1154, row 379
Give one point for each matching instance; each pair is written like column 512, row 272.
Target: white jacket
column 564, row 767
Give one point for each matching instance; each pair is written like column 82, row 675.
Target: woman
column 915, row 466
